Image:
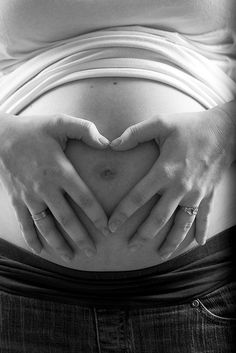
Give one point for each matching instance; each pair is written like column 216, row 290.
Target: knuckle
column 85, row 201
column 50, row 172
column 65, row 219
column 159, row 220
column 88, row 125
column 132, row 130
column 39, row 188
column 167, row 172
column 136, row 198
column 55, row 123
column 187, row 226
column 48, row 177
column 59, row 120
column 141, row 236
column 27, row 197
column 184, row 185
column 184, row 227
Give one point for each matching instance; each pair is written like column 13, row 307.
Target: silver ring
column 192, row 211
column 40, row 215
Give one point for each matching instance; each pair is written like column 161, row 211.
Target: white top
column 45, row 43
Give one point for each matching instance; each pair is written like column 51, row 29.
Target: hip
column 194, row 294
column 168, row 329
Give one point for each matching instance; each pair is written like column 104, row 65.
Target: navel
column 108, row 173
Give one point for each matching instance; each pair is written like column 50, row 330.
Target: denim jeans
column 203, row 325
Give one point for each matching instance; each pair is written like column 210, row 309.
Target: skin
column 50, row 174
column 91, row 106
column 176, row 182
column 195, row 151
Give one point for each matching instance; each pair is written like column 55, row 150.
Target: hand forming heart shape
column 37, row 175
column 195, row 151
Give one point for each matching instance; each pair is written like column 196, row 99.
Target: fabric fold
column 138, row 52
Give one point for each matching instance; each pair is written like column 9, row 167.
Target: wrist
column 228, row 112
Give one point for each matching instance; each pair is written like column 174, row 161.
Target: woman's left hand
column 195, row 150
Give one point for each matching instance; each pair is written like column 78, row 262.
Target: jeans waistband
column 190, row 274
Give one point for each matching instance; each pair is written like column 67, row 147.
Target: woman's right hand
column 37, row 174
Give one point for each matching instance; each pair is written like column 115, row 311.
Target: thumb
column 81, row 129
column 135, row 134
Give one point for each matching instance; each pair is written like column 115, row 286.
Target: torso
column 27, row 26
column 113, row 105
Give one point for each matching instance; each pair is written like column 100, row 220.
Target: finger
column 53, row 237
column 27, row 227
column 75, row 187
column 81, row 129
column 202, row 219
column 47, row 228
column 158, row 218
column 64, row 214
column 182, row 224
column 142, row 192
column 135, row 134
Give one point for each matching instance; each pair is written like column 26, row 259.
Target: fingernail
column 36, row 251
column 66, row 257
column 135, row 246
column 106, row 232
column 104, row 141
column 116, row 142
column 202, row 242
column 165, row 256
column 89, row 252
column 114, row 225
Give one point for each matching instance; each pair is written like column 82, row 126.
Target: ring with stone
column 192, row 211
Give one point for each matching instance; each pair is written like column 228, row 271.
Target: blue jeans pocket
column 219, row 305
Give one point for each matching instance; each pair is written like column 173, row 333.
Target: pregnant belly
column 113, row 105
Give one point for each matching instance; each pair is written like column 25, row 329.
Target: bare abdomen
column 113, row 105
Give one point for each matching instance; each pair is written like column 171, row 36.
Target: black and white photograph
column 117, row 176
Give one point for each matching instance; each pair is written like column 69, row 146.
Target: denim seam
column 208, row 313
column 97, row 330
